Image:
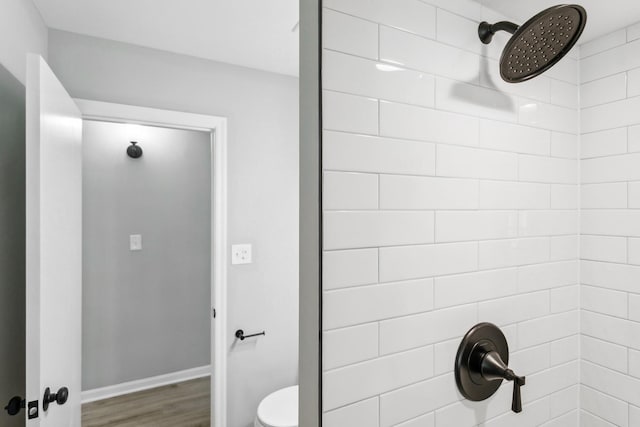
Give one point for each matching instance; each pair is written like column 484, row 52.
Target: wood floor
column 185, row 404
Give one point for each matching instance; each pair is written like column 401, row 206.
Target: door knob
column 15, row 405
column 60, row 397
column 482, row 365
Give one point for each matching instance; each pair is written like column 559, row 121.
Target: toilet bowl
column 279, row 409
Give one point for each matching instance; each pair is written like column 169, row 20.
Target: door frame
column 217, row 127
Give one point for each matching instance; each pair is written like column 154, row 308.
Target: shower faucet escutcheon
column 482, row 365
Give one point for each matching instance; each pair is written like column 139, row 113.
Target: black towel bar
column 241, row 336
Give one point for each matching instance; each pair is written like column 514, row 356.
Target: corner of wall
column 22, row 31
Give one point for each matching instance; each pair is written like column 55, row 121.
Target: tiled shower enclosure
column 451, row 197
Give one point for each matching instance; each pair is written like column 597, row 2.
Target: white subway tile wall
column 610, row 223
column 450, row 198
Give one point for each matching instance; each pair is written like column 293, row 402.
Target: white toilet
column 279, row 409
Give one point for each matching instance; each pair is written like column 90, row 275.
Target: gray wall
column 145, row 313
column 262, row 109
column 12, row 243
column 21, row 31
column 310, row 214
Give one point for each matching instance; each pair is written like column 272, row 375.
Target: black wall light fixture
column 134, row 151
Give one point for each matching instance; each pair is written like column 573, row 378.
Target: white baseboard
column 144, row 384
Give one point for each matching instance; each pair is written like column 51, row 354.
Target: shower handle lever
column 493, row 368
column 482, row 364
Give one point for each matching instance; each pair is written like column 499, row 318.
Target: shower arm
column 486, row 30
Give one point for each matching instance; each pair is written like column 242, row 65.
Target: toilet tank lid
column 280, row 408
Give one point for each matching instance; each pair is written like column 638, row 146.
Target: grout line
column 579, row 230
column 399, row 139
column 465, row 242
column 478, row 84
column 378, row 176
column 378, row 118
column 378, row 55
column 613, row 317
column 603, row 420
column 435, row 158
column 475, row 306
column 378, row 260
column 379, row 340
column 469, row 178
column 474, row 210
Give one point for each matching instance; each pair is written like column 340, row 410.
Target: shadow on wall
column 12, row 243
column 498, row 99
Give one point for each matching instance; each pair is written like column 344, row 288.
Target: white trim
column 217, row 126
column 144, row 384
column 219, row 264
column 143, row 115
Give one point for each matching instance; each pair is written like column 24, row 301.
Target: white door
column 54, row 247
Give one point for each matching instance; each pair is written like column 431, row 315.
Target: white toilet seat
column 279, row 409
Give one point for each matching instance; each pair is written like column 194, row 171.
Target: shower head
column 539, row 43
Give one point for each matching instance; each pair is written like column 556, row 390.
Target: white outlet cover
column 135, row 242
column 241, row 254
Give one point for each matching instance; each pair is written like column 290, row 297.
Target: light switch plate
column 135, row 242
column 241, row 254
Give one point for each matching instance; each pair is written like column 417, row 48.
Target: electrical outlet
column 135, row 242
column 241, row 254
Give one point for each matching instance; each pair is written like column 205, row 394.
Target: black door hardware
column 134, row 151
column 60, row 397
column 241, row 336
column 15, row 405
column 482, row 364
column 32, row 409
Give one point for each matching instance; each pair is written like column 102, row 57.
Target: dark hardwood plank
column 185, row 404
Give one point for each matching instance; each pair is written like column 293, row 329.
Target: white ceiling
column 257, row 33
column 603, row 16
column 251, row 33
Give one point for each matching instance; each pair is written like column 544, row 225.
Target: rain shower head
column 539, row 43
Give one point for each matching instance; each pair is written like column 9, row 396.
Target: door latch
column 32, row 409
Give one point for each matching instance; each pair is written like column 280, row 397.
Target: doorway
column 146, row 274
column 147, row 295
